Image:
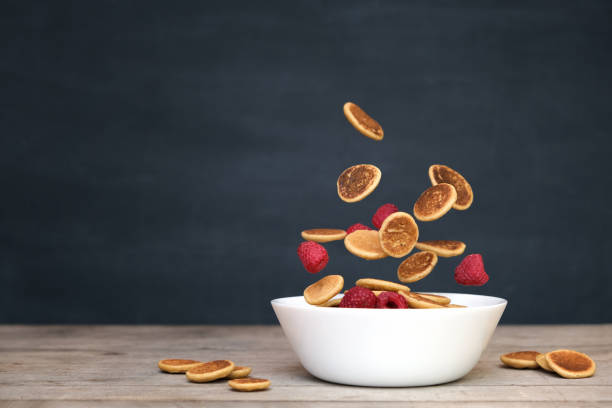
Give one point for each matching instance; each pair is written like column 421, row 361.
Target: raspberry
column 313, row 256
column 471, row 271
column 391, row 300
column 383, row 212
column 358, row 297
column 356, row 227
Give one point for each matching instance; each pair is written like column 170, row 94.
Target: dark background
column 159, row 159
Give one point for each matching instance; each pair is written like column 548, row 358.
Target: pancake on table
column 520, row 359
column 443, row 248
column 210, row 371
column 439, row 173
column 398, row 234
column 239, row 372
column 357, row 182
column 323, row 234
column 541, row 360
column 324, row 289
column 363, row 122
column 417, row 266
column 249, row 384
column 435, row 202
column 570, row 363
column 364, row 244
column 177, row 365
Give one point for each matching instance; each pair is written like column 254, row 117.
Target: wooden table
column 113, row 366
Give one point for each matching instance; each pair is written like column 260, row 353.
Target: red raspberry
column 391, row 300
column 382, row 213
column 471, row 271
column 356, row 227
column 313, row 256
column 358, row 297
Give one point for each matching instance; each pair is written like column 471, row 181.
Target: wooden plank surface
column 95, row 366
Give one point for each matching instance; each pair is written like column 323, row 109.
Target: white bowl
column 390, row 347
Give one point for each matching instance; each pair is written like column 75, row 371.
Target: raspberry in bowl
column 390, row 347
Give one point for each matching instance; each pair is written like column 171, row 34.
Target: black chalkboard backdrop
column 159, row 159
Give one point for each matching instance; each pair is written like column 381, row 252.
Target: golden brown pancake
column 452, row 305
column 439, row 173
column 323, row 234
column 210, row 371
column 419, row 302
column 323, row 289
column 331, row 302
column 435, row 202
column 541, row 360
column 398, row 234
column 177, row 365
column 441, row 300
column 442, row 248
column 417, row 266
column 249, row 384
column 363, row 122
column 381, row 285
column 364, row 244
column 520, row 359
column 571, row 364
column 357, row 182
column 239, row 372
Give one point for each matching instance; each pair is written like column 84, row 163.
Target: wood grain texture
column 73, row 366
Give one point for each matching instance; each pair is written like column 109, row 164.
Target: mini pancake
column 398, row 234
column 571, row 364
column 452, row 305
column 541, row 360
column 439, row 173
column 441, row 300
column 363, row 122
column 435, row 202
column 381, row 285
column 419, row 302
column 323, row 234
column 331, row 302
column 249, row 384
column 210, row 371
column 520, row 359
column 357, row 182
column 323, row 289
column 239, row 372
column 442, row 248
column 177, row 365
column 364, row 244
column 416, row 267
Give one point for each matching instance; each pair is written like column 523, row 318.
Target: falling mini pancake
column 417, row 266
column 441, row 300
column 239, row 372
column 331, row 302
column 210, row 371
column 381, row 285
column 419, row 302
column 571, row 364
column 453, row 305
column 435, row 202
column 541, row 360
column 323, row 234
column 249, row 384
column 445, row 249
column 438, row 173
column 363, row 122
column 177, row 365
column 357, row 182
column 323, row 289
column 398, row 234
column 364, row 244
column 520, row 359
